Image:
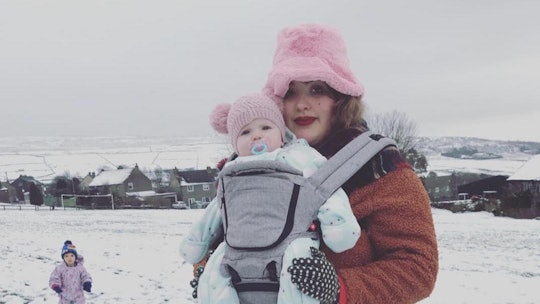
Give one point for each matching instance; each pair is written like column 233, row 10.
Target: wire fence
column 5, row 206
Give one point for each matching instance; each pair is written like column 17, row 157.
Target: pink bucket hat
column 311, row 52
column 231, row 118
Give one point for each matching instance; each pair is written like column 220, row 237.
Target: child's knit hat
column 311, row 52
column 231, row 118
column 68, row 247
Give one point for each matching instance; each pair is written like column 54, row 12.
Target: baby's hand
column 87, row 286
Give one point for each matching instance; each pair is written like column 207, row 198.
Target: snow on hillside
column 501, row 166
column 47, row 157
column 513, row 155
column 437, row 145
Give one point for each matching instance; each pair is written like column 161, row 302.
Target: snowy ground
column 133, row 258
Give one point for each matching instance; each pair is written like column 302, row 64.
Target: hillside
column 511, row 154
column 46, row 157
column 438, row 145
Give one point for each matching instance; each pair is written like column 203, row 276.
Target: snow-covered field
column 507, row 165
column 47, row 157
column 133, row 256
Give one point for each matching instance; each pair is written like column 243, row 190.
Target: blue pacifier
column 259, row 147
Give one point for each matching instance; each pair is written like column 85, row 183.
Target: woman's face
column 308, row 108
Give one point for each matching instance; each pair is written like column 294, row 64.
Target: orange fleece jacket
column 396, row 259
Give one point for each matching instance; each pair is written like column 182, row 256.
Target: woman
column 396, row 258
column 257, row 132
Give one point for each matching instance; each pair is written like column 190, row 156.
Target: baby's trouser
column 215, row 287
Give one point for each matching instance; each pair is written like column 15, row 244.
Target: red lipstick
column 304, row 120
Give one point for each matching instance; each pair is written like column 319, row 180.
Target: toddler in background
column 70, row 278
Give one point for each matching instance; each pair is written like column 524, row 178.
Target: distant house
column 527, row 180
column 8, row 193
column 438, row 188
column 121, row 181
column 22, row 186
column 195, row 187
column 84, row 186
column 4, row 195
column 494, row 185
column 159, row 178
column 442, row 188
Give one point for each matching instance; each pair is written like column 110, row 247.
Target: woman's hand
column 316, row 277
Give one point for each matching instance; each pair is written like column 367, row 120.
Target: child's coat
column 71, row 280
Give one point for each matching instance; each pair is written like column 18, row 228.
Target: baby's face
column 256, row 131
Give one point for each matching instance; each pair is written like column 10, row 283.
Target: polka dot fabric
column 316, row 277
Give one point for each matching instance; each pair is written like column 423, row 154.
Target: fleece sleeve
column 55, row 278
column 85, row 275
column 203, row 232
column 400, row 235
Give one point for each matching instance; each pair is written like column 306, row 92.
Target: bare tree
column 395, row 125
column 402, row 129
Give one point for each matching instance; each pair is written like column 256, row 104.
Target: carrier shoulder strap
column 347, row 161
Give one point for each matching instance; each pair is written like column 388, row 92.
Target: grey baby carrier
column 257, row 240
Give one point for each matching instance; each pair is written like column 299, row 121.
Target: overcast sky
column 157, row 68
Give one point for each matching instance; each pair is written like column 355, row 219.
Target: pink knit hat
column 311, row 52
column 231, row 118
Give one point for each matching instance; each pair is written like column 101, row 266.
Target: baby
column 257, row 132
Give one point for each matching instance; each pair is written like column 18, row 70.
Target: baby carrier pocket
column 274, row 189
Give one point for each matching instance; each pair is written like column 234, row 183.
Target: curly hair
column 349, row 111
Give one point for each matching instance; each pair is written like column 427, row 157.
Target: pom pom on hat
column 231, row 118
column 311, row 52
column 68, row 247
column 218, row 117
